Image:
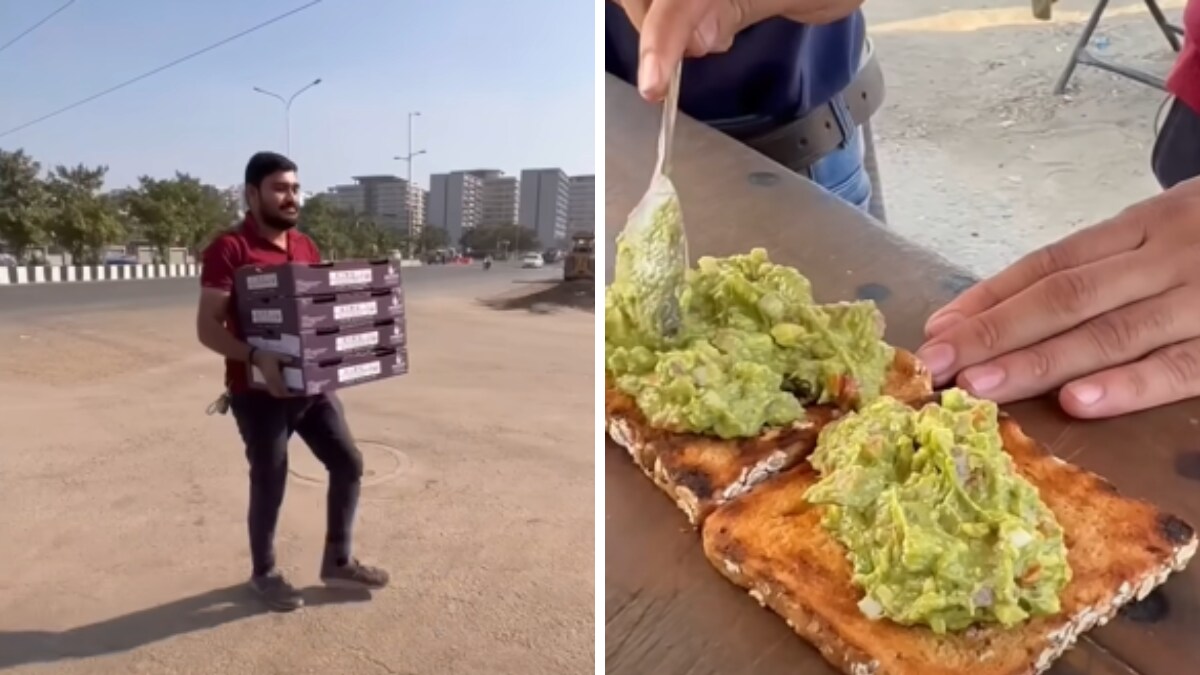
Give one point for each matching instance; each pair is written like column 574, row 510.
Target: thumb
column 666, row 31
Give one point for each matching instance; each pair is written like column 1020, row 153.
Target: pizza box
column 330, row 342
column 318, row 377
column 298, row 314
column 293, row 279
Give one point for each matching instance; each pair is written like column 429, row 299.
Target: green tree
column 82, row 220
column 326, row 224
column 432, row 238
column 212, row 212
column 341, row 234
column 179, row 211
column 24, row 202
column 363, row 234
column 158, row 208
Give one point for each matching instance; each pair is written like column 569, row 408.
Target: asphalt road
column 65, row 298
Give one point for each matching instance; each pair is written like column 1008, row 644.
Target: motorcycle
column 487, row 264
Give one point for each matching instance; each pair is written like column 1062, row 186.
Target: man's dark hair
column 263, row 164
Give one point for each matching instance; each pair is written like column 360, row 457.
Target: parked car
column 532, row 260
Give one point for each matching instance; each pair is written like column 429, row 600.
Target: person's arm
column 216, row 285
column 210, row 326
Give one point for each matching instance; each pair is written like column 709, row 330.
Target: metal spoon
column 652, row 252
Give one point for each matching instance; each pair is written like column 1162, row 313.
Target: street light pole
column 408, row 159
column 287, row 110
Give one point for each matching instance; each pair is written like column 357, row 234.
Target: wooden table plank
column 667, row 611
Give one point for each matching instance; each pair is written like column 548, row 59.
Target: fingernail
column 649, row 75
column 941, row 321
column 1086, row 393
column 937, row 357
column 983, row 378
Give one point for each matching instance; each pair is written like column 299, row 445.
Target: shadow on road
column 547, row 296
column 198, row 612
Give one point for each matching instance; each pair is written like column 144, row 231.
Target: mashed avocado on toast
column 752, row 348
column 940, row 529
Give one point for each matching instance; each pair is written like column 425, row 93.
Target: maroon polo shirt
column 241, row 246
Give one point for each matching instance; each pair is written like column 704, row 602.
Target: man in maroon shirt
column 266, row 420
column 1109, row 316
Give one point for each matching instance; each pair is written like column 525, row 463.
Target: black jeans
column 266, row 424
column 1176, row 154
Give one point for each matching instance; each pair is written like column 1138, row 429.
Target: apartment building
column 581, row 204
column 386, row 199
column 500, row 195
column 455, row 203
column 543, row 204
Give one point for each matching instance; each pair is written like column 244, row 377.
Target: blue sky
column 500, row 84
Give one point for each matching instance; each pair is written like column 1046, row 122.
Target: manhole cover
column 381, row 463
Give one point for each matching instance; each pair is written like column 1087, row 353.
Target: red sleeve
column 219, row 261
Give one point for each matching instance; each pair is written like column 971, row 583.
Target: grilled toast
column 770, row 541
column 701, row 472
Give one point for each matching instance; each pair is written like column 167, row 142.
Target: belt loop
column 841, row 111
column 841, row 114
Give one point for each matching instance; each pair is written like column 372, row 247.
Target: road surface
column 47, row 299
column 122, row 505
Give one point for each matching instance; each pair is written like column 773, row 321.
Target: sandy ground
column 980, row 160
column 122, row 503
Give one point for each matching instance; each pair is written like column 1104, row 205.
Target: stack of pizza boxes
column 339, row 323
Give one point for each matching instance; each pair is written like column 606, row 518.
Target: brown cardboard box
column 286, row 314
column 293, row 279
column 333, row 342
column 318, row 377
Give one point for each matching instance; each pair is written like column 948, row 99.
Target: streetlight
column 408, row 159
column 287, row 110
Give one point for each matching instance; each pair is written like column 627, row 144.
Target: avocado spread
column 751, row 349
column 939, row 527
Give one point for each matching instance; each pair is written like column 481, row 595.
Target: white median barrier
column 42, row 274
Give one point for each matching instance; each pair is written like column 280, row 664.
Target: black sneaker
column 353, row 575
column 276, row 592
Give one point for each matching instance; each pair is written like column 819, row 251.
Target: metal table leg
column 1082, row 55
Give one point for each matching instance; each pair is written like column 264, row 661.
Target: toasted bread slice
column 770, row 541
column 700, row 472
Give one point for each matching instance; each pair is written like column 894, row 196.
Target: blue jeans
column 842, row 173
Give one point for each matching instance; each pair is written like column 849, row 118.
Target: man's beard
column 280, row 222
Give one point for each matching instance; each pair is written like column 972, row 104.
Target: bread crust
column 701, row 472
column 770, row 542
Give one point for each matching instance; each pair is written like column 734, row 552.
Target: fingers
column 707, row 36
column 1118, row 337
column 636, row 11
column 1165, row 376
column 278, row 385
column 666, row 31
column 1046, row 308
column 1123, row 233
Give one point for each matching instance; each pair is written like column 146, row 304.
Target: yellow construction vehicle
column 580, row 261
